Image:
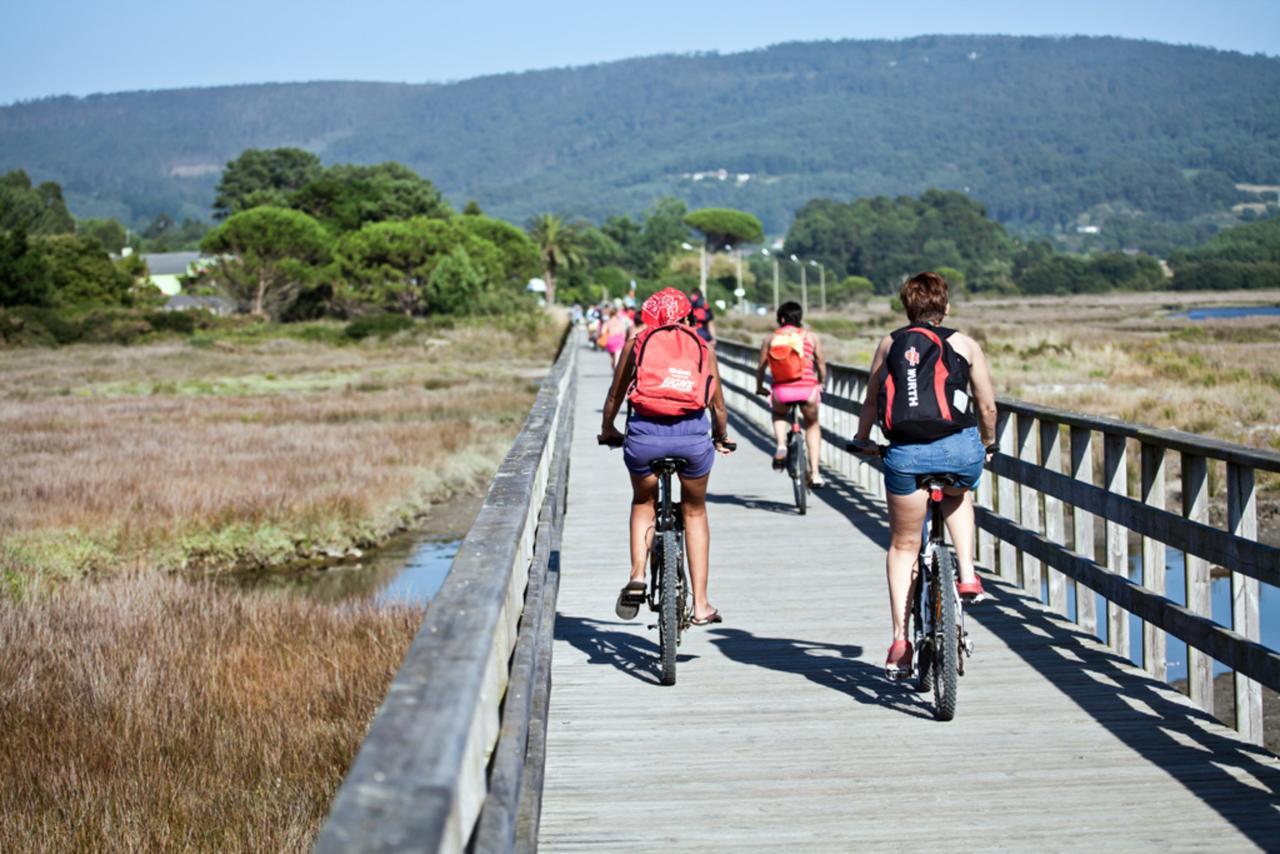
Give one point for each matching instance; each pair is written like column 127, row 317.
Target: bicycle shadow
column 834, row 666
column 753, row 502
column 629, row 653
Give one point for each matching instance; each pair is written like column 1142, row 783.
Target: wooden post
column 1116, row 479
column 986, row 542
column 1154, row 658
column 1082, row 527
column 1243, row 521
column 1195, row 507
column 1030, row 502
column 1054, row 528
column 1007, row 492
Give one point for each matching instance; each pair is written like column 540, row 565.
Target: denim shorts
column 960, row 454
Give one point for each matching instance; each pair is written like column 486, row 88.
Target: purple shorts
column 689, row 437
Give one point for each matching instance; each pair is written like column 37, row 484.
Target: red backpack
column 786, row 355
column 673, row 372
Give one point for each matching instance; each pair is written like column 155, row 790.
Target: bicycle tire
column 799, row 472
column 669, row 607
column 946, row 638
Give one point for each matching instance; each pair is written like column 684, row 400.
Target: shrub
column 381, row 325
column 171, row 321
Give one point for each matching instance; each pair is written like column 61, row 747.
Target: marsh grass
column 146, row 713
column 247, row 452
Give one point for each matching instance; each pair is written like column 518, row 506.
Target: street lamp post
column 774, row 258
column 822, row 277
column 702, row 265
column 804, row 285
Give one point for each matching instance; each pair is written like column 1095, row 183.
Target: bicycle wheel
column 946, row 638
column 669, row 606
column 924, row 646
column 799, row 470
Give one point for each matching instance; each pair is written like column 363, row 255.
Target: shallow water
column 1229, row 312
column 408, row 568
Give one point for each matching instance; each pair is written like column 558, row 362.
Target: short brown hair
column 924, row 296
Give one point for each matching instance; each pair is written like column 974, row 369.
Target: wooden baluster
column 1054, row 527
column 1243, row 522
column 1154, row 658
column 1082, row 527
column 1007, row 492
column 1195, row 507
column 986, row 542
column 1116, row 479
column 1029, row 501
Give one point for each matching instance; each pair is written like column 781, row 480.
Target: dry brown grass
column 147, row 714
column 253, row 453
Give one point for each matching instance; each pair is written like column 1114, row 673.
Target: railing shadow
column 1149, row 716
column 753, row 502
column 834, row 666
column 631, row 654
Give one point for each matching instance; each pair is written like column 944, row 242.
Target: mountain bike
column 940, row 639
column 668, row 582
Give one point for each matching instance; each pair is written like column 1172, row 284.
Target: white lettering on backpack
column 913, row 388
column 678, row 379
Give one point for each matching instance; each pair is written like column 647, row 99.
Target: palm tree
column 559, row 246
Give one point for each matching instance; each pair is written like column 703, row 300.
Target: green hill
column 1040, row 130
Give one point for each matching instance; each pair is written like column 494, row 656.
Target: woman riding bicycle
column 689, row 434
column 923, row 377
column 794, row 358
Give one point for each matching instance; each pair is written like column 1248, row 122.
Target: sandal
column 898, row 664
column 630, row 598
column 713, row 617
column 780, row 459
column 816, row 481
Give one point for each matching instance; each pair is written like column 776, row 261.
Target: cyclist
column 703, row 319
column 695, row 435
column 794, row 358
column 616, row 331
column 923, row 379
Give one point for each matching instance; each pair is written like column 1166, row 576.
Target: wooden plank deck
column 783, row 734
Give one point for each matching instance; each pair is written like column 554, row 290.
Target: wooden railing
column 454, row 756
column 1036, row 517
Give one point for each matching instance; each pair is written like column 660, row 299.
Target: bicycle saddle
column 673, row 464
column 943, row 479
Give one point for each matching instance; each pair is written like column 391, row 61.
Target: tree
column 725, row 228
column 110, row 233
column 81, row 272
column 560, row 245
column 266, row 257
column 455, row 286
column 518, row 253
column 35, row 210
column 261, row 177
column 24, row 275
column 345, row 197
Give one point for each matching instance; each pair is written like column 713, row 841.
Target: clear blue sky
column 84, row 46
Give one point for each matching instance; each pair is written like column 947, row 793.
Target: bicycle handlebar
column 856, row 447
column 611, row 443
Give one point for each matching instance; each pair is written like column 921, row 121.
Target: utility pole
column 822, row 275
column 804, row 291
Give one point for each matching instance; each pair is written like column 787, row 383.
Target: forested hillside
column 1039, row 130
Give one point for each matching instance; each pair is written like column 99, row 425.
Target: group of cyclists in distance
column 930, row 392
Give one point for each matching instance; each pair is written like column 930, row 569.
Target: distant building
column 166, row 267
column 1088, row 229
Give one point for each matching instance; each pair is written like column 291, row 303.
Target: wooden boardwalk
column 782, row 733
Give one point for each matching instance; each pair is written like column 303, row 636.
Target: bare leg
column 906, row 515
column 780, row 425
column 697, row 538
column 812, row 435
column 644, row 499
column 957, row 511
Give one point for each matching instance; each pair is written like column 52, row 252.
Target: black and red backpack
column 925, row 393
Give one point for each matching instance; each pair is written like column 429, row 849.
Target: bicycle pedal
column 967, row 646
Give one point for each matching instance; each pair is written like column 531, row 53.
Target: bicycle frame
column 932, row 539
column 668, row 517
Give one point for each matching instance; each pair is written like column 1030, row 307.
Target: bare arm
column 719, row 414
column 618, row 389
column 764, row 361
column 711, row 329
column 984, row 394
column 819, row 360
column 869, row 415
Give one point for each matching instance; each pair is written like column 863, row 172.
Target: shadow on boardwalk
column 1239, row 781
column 834, row 666
column 633, row 655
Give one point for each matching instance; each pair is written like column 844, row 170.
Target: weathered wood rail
column 454, row 756
column 1036, row 520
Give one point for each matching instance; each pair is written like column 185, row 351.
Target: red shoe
column 970, row 589
column 898, row 664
